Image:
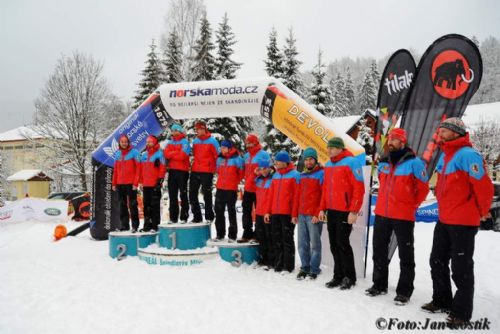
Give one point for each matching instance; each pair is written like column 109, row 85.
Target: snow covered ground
column 73, row 286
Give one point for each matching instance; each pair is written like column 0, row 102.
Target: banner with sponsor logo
column 36, row 209
column 208, row 99
column 395, row 84
column 448, row 75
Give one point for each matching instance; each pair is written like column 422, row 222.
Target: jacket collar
column 450, row 147
column 344, row 154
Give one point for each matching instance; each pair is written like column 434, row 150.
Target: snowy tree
column 349, row 92
column 225, row 67
column 172, row 59
column 340, row 103
column 485, row 138
column 489, row 91
column 233, row 128
column 365, row 138
column 184, row 17
column 204, row 62
column 151, row 76
column 274, row 60
column 71, row 113
column 375, row 74
column 291, row 74
column 367, row 94
column 320, row 94
column 116, row 112
column 475, row 40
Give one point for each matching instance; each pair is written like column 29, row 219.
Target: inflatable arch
column 266, row 96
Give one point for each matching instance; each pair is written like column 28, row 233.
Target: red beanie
column 200, row 125
column 155, row 140
column 252, row 138
column 398, row 133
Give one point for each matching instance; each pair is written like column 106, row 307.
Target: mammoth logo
column 111, row 150
column 451, row 74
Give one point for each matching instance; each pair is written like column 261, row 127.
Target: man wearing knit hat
column 205, row 152
column 230, row 172
column 464, row 193
column 263, row 231
column 284, row 188
column 177, row 153
column 253, row 155
column 342, row 197
column 403, row 186
column 305, row 214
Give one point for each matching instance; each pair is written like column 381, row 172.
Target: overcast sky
column 34, row 34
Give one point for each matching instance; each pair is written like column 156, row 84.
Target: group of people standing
column 282, row 197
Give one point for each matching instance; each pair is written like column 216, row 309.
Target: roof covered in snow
column 29, row 175
column 20, row 133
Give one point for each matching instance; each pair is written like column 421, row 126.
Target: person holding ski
column 341, row 200
column 253, row 155
column 464, row 193
column 284, row 188
column 151, row 174
column 305, row 214
column 177, row 154
column 263, row 232
column 230, row 172
column 403, row 187
column 205, row 153
column 125, row 177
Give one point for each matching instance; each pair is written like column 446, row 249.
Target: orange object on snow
column 60, row 232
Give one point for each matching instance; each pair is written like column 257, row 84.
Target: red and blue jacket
column 205, row 152
column 230, row 170
column 464, row 190
column 284, row 188
column 262, row 187
column 251, row 158
column 126, row 167
column 152, row 167
column 310, row 187
column 403, row 187
column 177, row 153
column 343, row 186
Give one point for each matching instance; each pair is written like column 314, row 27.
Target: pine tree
column 150, row 76
column 274, row 61
column 275, row 140
column 291, row 75
column 320, row 94
column 375, row 75
column 233, row 128
column 340, row 103
column 225, row 67
column 349, row 92
column 367, row 94
column 365, row 138
column 172, row 60
column 475, row 40
column 204, row 62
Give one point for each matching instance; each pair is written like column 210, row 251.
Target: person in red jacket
column 305, row 214
column 464, row 193
column 125, row 175
column 284, row 188
column 230, row 171
column 205, row 152
column 263, row 232
column 342, row 197
column 253, row 155
column 151, row 173
column 177, row 154
column 403, row 187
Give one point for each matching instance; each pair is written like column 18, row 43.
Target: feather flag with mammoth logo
column 448, row 75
